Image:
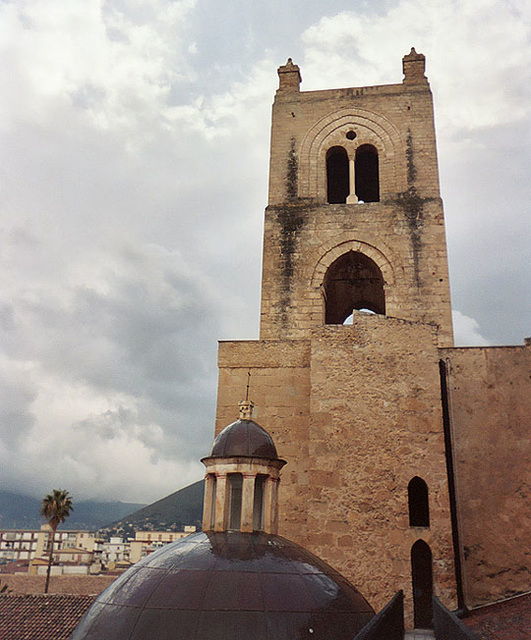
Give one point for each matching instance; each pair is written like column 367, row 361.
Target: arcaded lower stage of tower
column 398, row 444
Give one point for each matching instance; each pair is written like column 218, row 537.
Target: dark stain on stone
column 291, row 219
column 412, row 206
column 292, row 174
column 411, row 169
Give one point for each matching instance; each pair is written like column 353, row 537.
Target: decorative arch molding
column 338, row 250
column 371, row 128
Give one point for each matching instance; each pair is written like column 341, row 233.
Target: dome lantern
column 242, row 476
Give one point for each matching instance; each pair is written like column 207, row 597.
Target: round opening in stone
column 351, row 134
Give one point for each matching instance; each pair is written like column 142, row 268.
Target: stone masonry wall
column 280, row 389
column 301, row 241
column 490, row 405
column 356, row 412
column 375, row 423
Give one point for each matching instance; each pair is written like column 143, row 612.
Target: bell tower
column 355, row 219
column 355, row 313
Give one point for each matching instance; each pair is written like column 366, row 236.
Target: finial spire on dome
column 246, row 406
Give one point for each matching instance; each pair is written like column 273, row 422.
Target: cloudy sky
column 133, row 176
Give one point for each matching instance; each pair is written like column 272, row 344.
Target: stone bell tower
column 355, row 307
column 355, row 217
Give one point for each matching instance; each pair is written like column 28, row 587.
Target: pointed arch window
column 418, row 501
column 367, row 173
column 337, row 175
column 352, row 281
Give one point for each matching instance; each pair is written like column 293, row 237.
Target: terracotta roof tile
column 41, row 617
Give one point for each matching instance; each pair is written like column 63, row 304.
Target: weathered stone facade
column 356, row 409
column 490, row 407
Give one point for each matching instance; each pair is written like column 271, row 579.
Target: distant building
column 27, row 544
column 147, row 542
column 18, row 545
column 74, row 551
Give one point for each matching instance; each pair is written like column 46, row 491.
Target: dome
column 244, row 438
column 228, row 586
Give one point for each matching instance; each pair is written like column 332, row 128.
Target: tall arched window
column 353, row 281
column 422, row 582
column 367, row 173
column 419, row 507
column 337, row 175
column 258, row 502
column 235, row 481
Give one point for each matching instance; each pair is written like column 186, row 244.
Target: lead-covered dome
column 228, row 586
column 244, row 438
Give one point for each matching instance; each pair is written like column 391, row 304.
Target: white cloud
column 134, row 147
column 478, row 55
column 115, row 65
column 467, row 332
column 98, row 445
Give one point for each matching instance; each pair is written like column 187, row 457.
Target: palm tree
column 56, row 508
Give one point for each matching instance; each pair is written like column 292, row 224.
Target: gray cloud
column 134, row 147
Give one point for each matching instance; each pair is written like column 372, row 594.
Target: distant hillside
column 184, row 507
column 22, row 512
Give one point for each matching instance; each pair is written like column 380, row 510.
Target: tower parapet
column 414, row 65
column 289, row 77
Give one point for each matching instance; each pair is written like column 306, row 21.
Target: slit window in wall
column 337, row 175
column 419, row 508
column 352, row 281
column 367, row 173
column 422, row 583
column 213, row 480
column 235, row 500
column 258, row 503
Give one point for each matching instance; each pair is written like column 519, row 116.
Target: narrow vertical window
column 235, row 500
column 337, row 175
column 422, row 583
column 213, row 503
column 419, row 508
column 258, row 503
column 367, row 173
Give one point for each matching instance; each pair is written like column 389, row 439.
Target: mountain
column 22, row 512
column 184, row 507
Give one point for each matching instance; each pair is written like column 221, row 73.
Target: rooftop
column 509, row 620
column 41, row 617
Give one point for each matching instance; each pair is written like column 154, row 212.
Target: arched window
column 353, row 281
column 235, row 500
column 337, row 175
column 422, row 582
column 258, row 502
column 419, row 508
column 367, row 173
